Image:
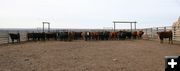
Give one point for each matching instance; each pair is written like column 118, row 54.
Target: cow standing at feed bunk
column 14, row 37
column 165, row 34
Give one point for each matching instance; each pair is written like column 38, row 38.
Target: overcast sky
column 87, row 13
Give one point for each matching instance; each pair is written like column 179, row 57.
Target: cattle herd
column 68, row 36
column 105, row 35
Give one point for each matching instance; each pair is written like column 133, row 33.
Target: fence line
column 149, row 33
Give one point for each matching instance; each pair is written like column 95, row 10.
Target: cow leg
column 140, row 37
column 12, row 40
column 170, row 40
column 85, row 38
column 28, row 38
column 89, row 37
column 18, row 40
column 33, row 38
column 161, row 41
column 134, row 37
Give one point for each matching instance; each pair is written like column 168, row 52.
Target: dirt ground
column 128, row 55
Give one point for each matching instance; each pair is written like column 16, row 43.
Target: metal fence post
column 147, row 33
column 157, row 29
column 8, row 36
column 151, row 33
column 164, row 28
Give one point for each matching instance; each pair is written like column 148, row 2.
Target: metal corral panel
column 23, row 36
column 150, row 33
column 3, row 40
column 3, row 37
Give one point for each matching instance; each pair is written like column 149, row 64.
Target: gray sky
column 87, row 13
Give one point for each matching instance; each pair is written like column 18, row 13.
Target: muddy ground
column 128, row 55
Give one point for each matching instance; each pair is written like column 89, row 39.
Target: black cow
column 106, row 35
column 36, row 36
column 63, row 36
column 52, row 35
column 101, row 35
column 128, row 34
column 15, row 37
column 77, row 35
column 30, row 36
column 122, row 35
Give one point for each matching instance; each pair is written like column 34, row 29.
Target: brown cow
column 94, row 35
column 134, row 34
column 139, row 34
column 113, row 35
column 71, row 36
column 165, row 34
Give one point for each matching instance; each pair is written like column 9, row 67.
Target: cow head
column 158, row 33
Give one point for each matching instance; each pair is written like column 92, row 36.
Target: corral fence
column 5, row 38
column 151, row 33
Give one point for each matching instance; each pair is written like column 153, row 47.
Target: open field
column 128, row 55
